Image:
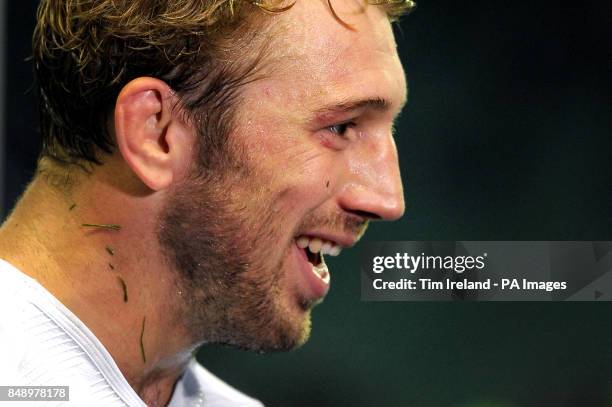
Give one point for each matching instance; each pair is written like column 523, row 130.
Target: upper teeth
column 316, row 245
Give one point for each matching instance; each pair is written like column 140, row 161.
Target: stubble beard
column 229, row 274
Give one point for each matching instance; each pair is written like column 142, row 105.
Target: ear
column 153, row 139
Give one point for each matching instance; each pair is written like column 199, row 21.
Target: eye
column 341, row 128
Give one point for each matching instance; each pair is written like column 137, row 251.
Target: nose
column 374, row 188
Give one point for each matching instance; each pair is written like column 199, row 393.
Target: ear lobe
column 152, row 139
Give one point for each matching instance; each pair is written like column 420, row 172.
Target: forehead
column 310, row 27
column 317, row 59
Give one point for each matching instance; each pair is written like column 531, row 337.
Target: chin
column 290, row 335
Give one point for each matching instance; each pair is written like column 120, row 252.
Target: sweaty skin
column 317, row 159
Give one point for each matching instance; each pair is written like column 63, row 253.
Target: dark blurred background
column 507, row 136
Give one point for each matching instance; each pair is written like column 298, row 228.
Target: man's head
column 259, row 136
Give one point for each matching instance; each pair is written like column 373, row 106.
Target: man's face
column 313, row 159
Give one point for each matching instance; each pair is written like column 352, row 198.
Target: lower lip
column 313, row 288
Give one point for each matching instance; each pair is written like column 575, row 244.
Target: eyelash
column 344, row 127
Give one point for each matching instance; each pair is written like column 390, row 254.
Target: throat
column 158, row 390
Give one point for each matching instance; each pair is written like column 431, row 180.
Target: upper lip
column 342, row 240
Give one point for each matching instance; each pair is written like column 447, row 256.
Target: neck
column 115, row 281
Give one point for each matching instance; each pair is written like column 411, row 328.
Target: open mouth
column 314, row 249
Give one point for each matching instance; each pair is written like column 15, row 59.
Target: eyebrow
column 377, row 104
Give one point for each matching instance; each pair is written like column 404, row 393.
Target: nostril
column 364, row 214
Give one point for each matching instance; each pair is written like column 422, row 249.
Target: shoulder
column 201, row 387
column 14, row 346
column 12, row 336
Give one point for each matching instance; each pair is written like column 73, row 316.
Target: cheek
column 292, row 167
column 298, row 196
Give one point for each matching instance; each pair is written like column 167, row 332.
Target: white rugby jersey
column 42, row 343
